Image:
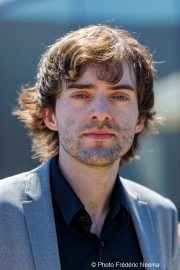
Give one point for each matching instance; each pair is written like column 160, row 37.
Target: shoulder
column 144, row 194
column 163, row 218
column 14, row 188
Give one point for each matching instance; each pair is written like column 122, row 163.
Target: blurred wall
column 22, row 43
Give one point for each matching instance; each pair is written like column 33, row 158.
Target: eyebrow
column 90, row 86
column 122, row 86
column 79, row 86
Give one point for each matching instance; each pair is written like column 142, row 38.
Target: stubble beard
column 97, row 155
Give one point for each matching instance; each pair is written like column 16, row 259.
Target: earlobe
column 140, row 124
column 49, row 119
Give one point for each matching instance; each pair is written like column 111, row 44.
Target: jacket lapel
column 38, row 211
column 144, row 227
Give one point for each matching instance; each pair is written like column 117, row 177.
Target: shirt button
column 83, row 217
column 102, row 244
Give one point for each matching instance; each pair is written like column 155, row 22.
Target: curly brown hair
column 65, row 61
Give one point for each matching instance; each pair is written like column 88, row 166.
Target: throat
column 96, row 228
column 97, row 224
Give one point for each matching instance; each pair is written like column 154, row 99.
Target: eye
column 120, row 97
column 80, row 96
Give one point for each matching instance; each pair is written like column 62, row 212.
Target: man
column 93, row 97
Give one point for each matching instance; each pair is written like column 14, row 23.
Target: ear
column 140, row 123
column 49, row 119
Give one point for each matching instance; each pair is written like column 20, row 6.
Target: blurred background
column 27, row 27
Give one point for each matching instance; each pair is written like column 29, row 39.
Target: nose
column 100, row 110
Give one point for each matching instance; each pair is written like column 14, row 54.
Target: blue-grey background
column 28, row 26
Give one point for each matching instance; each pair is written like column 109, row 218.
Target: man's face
column 97, row 120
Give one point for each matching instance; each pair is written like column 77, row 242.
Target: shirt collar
column 118, row 200
column 68, row 201
column 63, row 193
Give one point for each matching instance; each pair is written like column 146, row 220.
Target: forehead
column 113, row 76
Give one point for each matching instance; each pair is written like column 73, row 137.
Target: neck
column 93, row 185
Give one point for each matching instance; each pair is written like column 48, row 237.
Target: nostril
column 100, row 118
column 100, row 112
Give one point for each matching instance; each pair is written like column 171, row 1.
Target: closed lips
column 99, row 134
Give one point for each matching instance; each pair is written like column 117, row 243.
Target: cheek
column 70, row 116
column 66, row 121
column 62, row 111
column 133, row 113
column 129, row 115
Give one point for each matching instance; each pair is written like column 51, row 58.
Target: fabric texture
column 118, row 240
column 27, row 228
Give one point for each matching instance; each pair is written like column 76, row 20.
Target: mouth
column 99, row 134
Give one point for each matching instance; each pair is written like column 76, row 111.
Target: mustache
column 100, row 125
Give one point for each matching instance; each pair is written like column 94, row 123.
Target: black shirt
column 78, row 247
